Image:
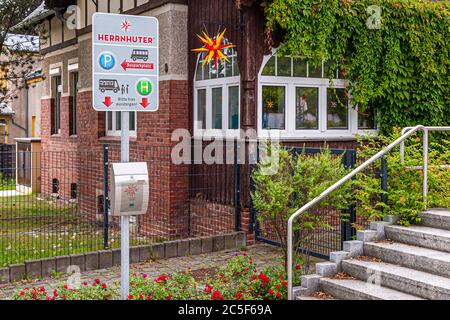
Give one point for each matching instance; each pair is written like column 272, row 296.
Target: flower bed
column 238, row 280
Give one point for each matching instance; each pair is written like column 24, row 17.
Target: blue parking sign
column 107, row 60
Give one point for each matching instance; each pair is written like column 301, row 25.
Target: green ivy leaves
column 403, row 67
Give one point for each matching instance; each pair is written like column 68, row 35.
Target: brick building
column 255, row 90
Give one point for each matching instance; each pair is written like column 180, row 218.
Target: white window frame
column 114, row 132
column 208, row 85
column 290, row 131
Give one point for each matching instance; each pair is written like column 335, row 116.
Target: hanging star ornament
column 213, row 48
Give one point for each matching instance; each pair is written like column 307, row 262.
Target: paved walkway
column 263, row 256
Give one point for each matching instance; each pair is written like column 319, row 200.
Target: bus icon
column 139, row 55
column 109, row 85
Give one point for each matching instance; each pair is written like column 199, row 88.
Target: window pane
column 109, row 115
column 269, row 68
column 300, row 67
column 274, row 100
column 132, row 121
column 284, row 67
column 235, row 66
column 315, row 71
column 199, row 74
column 307, row 102
column 201, row 109
column 217, row 108
column 229, row 67
column 366, row 118
column 337, row 109
column 233, row 107
column 118, row 120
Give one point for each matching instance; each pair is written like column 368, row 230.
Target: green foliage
column 405, row 193
column 402, row 67
column 239, row 279
column 298, row 180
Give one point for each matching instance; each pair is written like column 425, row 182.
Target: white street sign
column 125, row 62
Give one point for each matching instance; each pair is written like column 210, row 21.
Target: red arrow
column 137, row 65
column 107, row 102
column 145, row 103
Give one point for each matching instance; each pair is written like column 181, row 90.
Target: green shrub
column 405, row 193
column 299, row 179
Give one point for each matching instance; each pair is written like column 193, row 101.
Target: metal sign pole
column 125, row 220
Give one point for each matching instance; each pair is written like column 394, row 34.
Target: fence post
column 237, row 186
column 347, row 231
column 384, row 179
column 105, row 196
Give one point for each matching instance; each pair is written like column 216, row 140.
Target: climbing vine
column 395, row 52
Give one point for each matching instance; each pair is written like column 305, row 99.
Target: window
column 56, row 107
column 55, row 185
column 73, row 105
column 73, row 190
column 297, row 99
column 217, row 96
column 114, row 123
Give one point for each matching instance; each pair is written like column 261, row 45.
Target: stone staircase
column 388, row 262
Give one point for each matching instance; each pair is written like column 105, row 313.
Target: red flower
column 208, row 289
column 97, row 280
column 104, row 285
column 216, row 296
column 298, row 267
column 130, row 297
column 253, row 278
column 64, row 297
column 221, row 275
column 238, row 295
column 270, row 291
column 161, row 278
column 22, row 294
column 149, row 298
column 144, row 276
column 264, row 279
column 169, row 297
column 141, row 296
column 66, row 287
column 284, row 283
column 85, row 283
column 278, row 295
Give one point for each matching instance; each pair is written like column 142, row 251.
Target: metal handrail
column 405, row 135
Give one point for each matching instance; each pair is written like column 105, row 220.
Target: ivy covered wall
column 396, row 54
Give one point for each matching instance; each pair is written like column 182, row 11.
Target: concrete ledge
column 17, row 272
column 339, row 256
column 379, row 226
column 104, row 259
column 48, row 267
column 4, row 275
column 33, row 269
column 392, row 219
column 311, row 282
column 354, row 247
column 91, row 261
column 366, row 235
column 326, row 269
column 62, row 263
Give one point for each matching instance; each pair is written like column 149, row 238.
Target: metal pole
column 125, row 220
column 425, row 166
column 105, row 197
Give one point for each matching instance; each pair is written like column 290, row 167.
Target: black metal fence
column 61, row 204
column 339, row 225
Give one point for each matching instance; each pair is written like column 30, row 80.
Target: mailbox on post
column 130, row 189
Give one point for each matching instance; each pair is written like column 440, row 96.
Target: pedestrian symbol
column 144, row 87
column 107, row 61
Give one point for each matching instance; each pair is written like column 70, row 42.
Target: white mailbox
column 129, row 189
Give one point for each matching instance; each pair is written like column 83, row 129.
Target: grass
column 33, row 227
column 7, row 185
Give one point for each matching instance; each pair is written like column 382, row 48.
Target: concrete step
column 436, row 218
column 360, row 290
column 418, row 258
column 426, row 237
column 419, row 283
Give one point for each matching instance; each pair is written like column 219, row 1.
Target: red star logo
column 126, row 25
column 131, row 190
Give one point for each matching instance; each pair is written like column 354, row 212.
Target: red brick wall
column 208, row 218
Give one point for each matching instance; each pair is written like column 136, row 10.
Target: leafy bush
column 405, row 193
column 299, row 179
column 238, row 280
column 94, row 291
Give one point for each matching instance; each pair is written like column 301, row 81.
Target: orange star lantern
column 213, row 48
